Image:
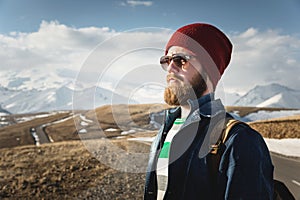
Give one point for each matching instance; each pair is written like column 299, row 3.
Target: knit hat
column 211, row 47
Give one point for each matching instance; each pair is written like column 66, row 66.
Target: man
column 180, row 161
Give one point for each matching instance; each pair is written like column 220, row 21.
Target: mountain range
column 31, row 90
column 272, row 95
column 22, row 93
column 63, row 98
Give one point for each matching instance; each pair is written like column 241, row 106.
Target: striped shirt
column 163, row 160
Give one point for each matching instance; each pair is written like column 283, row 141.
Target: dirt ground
column 67, row 170
column 109, row 168
column 287, row 127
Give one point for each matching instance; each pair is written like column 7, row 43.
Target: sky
column 120, row 41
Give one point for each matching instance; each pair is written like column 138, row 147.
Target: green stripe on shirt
column 164, row 153
column 179, row 121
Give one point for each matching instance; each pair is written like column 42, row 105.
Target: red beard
column 181, row 93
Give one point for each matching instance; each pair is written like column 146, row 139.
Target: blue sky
column 62, row 35
column 231, row 15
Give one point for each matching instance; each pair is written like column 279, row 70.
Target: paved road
column 287, row 170
column 39, row 135
column 42, row 135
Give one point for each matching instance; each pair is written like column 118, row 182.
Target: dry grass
column 18, row 134
column 287, row 127
column 123, row 118
column 119, row 117
column 65, row 170
column 68, row 170
column 126, row 115
column 63, row 131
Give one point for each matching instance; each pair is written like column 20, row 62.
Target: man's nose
column 172, row 68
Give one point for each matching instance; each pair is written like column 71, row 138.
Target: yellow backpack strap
column 231, row 123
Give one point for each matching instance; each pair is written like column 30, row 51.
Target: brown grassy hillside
column 287, row 127
column 65, row 170
column 68, row 170
column 18, row 134
column 119, row 117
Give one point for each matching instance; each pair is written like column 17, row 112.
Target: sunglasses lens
column 177, row 60
column 165, row 61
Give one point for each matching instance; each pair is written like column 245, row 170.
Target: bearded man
column 180, row 161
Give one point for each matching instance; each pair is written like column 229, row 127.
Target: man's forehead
column 177, row 49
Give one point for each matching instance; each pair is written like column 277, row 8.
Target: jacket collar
column 206, row 106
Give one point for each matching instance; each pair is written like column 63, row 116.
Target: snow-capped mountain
column 228, row 99
column 33, row 90
column 29, row 79
column 273, row 95
column 63, row 98
column 3, row 112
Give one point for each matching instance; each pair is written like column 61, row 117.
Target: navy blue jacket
column 245, row 170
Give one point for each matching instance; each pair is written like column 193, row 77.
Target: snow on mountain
column 63, row 98
column 5, row 93
column 270, row 101
column 228, row 99
column 3, row 112
column 96, row 96
column 24, row 101
column 273, row 95
column 263, row 115
column 29, row 79
column 35, row 90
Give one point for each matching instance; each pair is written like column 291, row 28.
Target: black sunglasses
column 179, row 60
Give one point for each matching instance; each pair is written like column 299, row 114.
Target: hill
column 68, row 170
column 107, row 122
column 65, row 170
column 104, row 164
column 286, row 127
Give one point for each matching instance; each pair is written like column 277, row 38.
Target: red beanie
column 208, row 43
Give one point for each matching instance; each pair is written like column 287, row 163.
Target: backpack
column 281, row 192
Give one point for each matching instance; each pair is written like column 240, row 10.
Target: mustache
column 174, row 76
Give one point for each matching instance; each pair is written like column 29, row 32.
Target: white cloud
column 134, row 3
column 263, row 57
column 249, row 33
column 53, row 45
column 120, row 58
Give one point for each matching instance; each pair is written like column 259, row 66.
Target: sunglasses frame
column 166, row 60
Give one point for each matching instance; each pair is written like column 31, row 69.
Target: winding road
column 287, row 170
column 42, row 134
column 39, row 135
